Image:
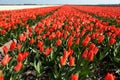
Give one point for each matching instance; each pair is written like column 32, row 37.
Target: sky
column 59, row 1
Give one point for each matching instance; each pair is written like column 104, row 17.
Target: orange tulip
column 12, row 45
column 6, row 60
column 72, row 61
column 63, row 61
column 74, row 77
column 112, row 41
column 32, row 41
column 5, row 49
column 58, row 42
column 109, row 77
column 48, row 51
column 18, row 66
column 19, row 46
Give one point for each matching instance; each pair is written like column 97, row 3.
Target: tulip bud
column 109, row 77
column 18, row 67
column 6, row 60
column 74, row 77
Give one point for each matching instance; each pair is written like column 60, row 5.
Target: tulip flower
column 74, row 77
column 100, row 39
column 77, row 41
column 22, row 37
column 58, row 34
column 58, row 42
column 3, row 32
column 72, row 61
column 18, row 66
column 70, row 52
column 112, row 41
column 40, row 43
column 48, row 51
column 12, row 45
column 20, row 57
column 6, row 60
column 90, row 55
column 109, row 76
column 19, row 46
column 32, row 41
column 5, row 49
column 25, row 54
column 70, row 43
column 86, row 41
column 66, row 54
column 63, row 61
column 92, row 46
column 41, row 49
column 85, row 54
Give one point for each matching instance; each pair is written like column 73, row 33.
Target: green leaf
column 38, row 66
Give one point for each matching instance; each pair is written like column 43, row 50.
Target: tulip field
column 60, row 43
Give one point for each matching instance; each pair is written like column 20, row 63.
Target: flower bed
column 64, row 44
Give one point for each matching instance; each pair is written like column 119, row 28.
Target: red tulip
column 38, row 37
column 72, row 61
column 70, row 38
column 109, row 77
column 12, row 45
column 1, row 77
column 74, row 77
column 18, row 66
column 91, row 55
column 112, row 41
column 19, row 46
column 63, row 61
column 43, row 36
column 92, row 46
column 77, row 41
column 93, row 36
column 85, row 54
column 53, row 35
column 113, row 35
column 6, row 60
column 30, row 29
column 109, row 34
column 95, row 50
column 25, row 54
column 5, row 49
column 70, row 51
column 30, row 34
column 22, row 37
column 100, row 39
column 32, row 41
column 83, row 32
column 58, row 34
column 48, row 51
column 66, row 54
column 20, row 57
column 65, row 36
column 3, row 32
column 58, row 42
column 86, row 41
column 41, row 48
column 40, row 43
column 69, row 43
